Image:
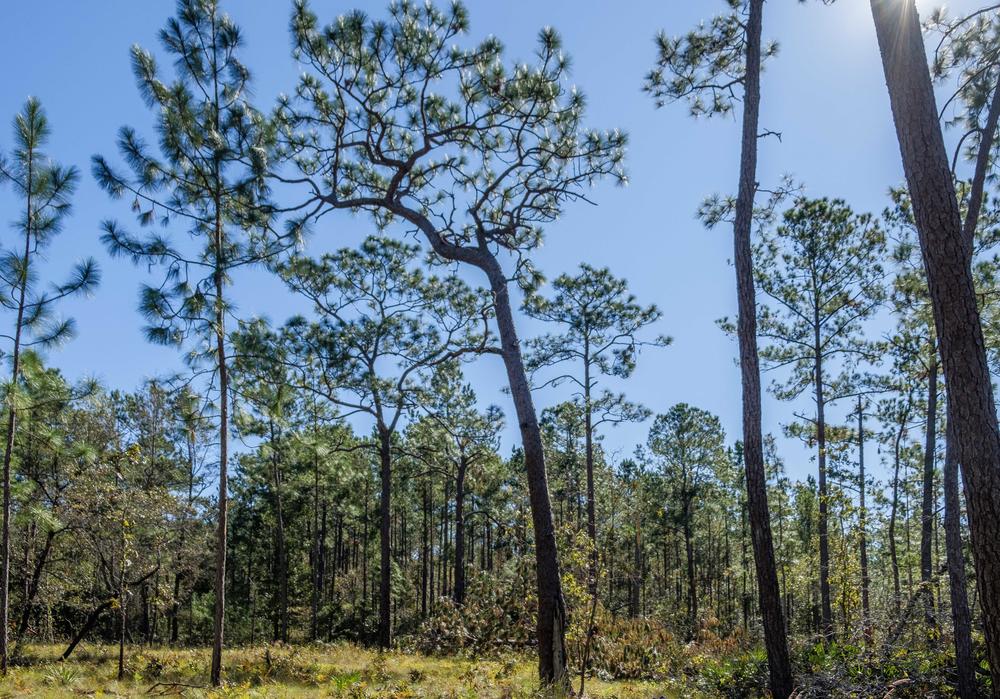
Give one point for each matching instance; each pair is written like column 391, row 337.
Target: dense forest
column 329, row 503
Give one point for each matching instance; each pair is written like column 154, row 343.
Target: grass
column 334, row 670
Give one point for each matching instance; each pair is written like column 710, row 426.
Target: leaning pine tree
column 394, row 119
column 45, row 188
column 946, row 247
column 209, row 178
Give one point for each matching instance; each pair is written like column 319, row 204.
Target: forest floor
column 338, row 670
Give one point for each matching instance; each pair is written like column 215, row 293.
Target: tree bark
column 551, row 622
column 960, row 614
column 927, row 499
column 32, row 590
column 866, row 611
column 279, row 533
column 893, row 511
column 953, row 298
column 826, row 608
column 458, row 594
column 385, row 532
column 219, row 615
column 8, row 451
column 588, row 416
column 779, row 664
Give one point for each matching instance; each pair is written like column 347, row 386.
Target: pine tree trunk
column 960, row 615
column 589, row 446
column 927, row 500
column 953, row 298
column 281, row 556
column 219, row 615
column 893, row 513
column 866, row 611
column 458, row 594
column 12, row 424
column 551, row 622
column 779, row 664
column 385, row 532
column 826, row 607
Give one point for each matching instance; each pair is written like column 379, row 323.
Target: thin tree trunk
column 893, row 510
column 32, row 591
column 692, row 590
column 866, row 611
column 588, row 417
column 12, row 423
column 458, row 593
column 279, row 532
column 89, row 624
column 385, row 532
column 953, row 297
column 219, row 615
column 551, row 621
column 927, row 500
column 826, row 607
column 778, row 661
column 960, row 615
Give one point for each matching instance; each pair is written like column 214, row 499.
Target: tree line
column 336, row 476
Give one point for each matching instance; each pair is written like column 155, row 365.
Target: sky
column 824, row 93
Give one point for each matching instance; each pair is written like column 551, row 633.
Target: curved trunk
column 551, row 623
column 779, row 664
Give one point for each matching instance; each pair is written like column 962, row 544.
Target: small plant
column 62, row 676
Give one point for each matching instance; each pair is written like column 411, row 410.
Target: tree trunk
column 960, row 615
column 385, row 531
column 281, row 556
column 85, row 629
column 927, row 500
column 219, row 615
column 893, row 511
column 826, row 608
column 866, row 610
column 949, row 276
column 458, row 594
column 779, row 664
column 588, row 417
column 12, row 425
column 692, row 590
column 551, row 622
column 32, row 591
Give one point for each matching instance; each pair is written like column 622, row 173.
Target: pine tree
column 208, row 181
column 600, row 333
column 383, row 328
column 821, row 275
column 946, row 245
column 474, row 156
column 46, row 189
column 707, row 68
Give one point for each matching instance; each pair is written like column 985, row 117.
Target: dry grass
column 336, row 670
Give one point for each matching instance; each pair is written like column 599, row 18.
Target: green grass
column 335, row 670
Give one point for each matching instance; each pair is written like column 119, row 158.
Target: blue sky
column 824, row 93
